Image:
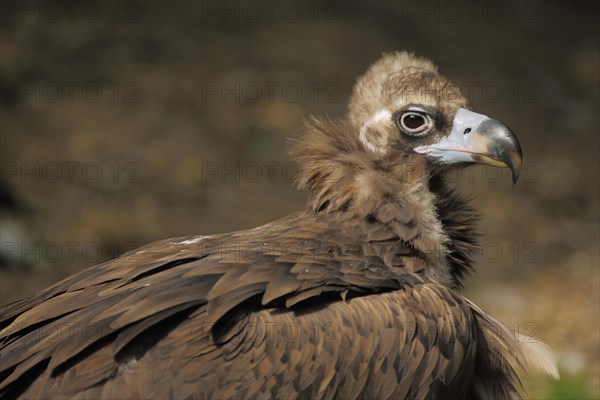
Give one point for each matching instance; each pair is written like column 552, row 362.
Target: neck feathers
column 389, row 199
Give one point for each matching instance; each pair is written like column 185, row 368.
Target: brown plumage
column 354, row 297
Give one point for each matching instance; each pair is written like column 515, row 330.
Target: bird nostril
column 467, row 130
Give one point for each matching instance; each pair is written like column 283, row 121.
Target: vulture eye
column 415, row 123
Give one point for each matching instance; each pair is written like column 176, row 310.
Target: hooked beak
column 477, row 138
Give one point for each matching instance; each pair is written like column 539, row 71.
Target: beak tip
column 515, row 162
column 516, row 170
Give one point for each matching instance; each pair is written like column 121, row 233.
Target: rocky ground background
column 127, row 122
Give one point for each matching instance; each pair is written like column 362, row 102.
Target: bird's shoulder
column 282, row 265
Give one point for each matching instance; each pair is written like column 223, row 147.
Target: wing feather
column 173, row 320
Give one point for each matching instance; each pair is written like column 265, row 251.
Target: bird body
column 356, row 296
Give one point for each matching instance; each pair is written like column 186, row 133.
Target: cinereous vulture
column 356, row 296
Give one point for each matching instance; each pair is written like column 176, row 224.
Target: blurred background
column 126, row 122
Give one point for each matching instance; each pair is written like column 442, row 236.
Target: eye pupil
column 413, row 121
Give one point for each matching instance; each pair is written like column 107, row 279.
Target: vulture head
column 402, row 106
